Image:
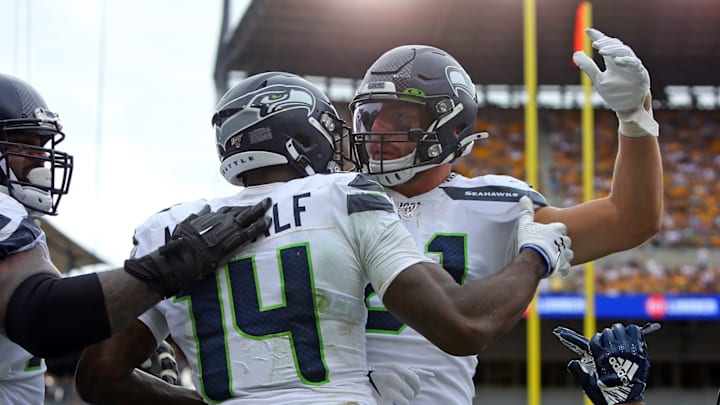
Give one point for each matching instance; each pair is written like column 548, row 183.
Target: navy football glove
column 614, row 365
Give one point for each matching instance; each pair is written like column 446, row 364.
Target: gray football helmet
column 430, row 86
column 278, row 118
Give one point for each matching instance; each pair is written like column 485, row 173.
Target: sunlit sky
column 136, row 114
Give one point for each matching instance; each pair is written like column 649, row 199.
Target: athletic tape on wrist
column 637, row 123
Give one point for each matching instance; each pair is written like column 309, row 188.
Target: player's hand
column 396, row 384
column 200, row 245
column 162, row 364
column 550, row 240
column 624, row 85
column 614, row 365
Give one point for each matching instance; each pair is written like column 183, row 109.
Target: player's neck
column 267, row 175
column 424, row 181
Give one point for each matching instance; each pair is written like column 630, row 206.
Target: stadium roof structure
column 678, row 40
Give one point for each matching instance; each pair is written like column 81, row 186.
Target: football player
column 413, row 115
column 44, row 315
column 285, row 321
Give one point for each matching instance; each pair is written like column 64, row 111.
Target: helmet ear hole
column 303, row 140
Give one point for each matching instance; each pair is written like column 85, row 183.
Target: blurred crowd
column 646, row 274
column 691, row 164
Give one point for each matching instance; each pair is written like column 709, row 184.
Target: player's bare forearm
column 107, row 374
column 637, row 187
column 142, row 388
column 632, row 213
column 126, row 297
column 629, row 216
column 504, row 296
column 464, row 320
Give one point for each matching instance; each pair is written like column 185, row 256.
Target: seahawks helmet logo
column 260, row 106
column 459, row 80
column 273, row 99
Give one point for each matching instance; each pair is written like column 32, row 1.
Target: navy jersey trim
column 364, row 182
column 368, row 202
column 494, row 193
column 25, row 234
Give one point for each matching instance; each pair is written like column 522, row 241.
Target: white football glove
column 550, row 240
column 162, row 364
column 624, row 85
column 395, row 384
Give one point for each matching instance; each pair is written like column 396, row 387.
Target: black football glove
column 162, row 364
column 614, row 364
column 199, row 245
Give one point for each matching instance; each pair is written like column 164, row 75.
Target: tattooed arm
column 49, row 315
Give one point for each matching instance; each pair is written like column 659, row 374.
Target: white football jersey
column 22, row 378
column 284, row 321
column 469, row 227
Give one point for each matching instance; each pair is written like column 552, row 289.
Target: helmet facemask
column 392, row 137
column 382, row 122
column 44, row 177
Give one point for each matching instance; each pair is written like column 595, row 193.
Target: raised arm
column 632, row 213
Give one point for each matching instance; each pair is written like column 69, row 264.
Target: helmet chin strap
column 36, row 200
column 468, row 142
column 396, row 171
column 400, row 177
column 298, row 159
